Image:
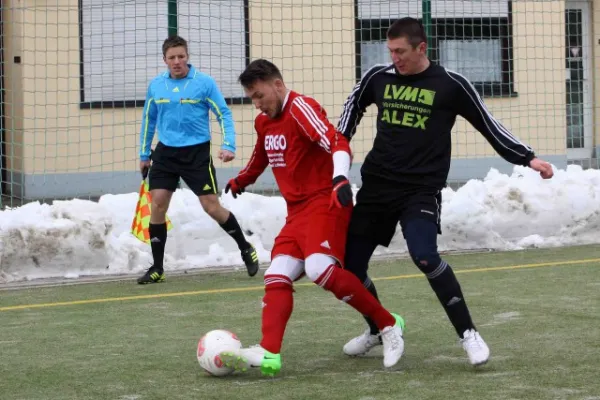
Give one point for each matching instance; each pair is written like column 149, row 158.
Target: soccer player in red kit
column 305, row 152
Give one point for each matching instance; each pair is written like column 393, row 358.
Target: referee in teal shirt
column 177, row 105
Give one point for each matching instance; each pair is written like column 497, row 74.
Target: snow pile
column 77, row 237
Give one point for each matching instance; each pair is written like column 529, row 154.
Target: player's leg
column 359, row 249
column 163, row 178
column 324, row 250
column 229, row 223
column 286, row 267
column 371, row 224
column 200, row 175
column 420, row 226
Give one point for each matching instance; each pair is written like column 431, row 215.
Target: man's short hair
column 410, row 28
column 174, row 41
column 259, row 70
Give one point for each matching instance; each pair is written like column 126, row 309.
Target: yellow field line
column 491, row 269
column 256, row 288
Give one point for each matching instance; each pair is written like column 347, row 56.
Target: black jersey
column 415, row 117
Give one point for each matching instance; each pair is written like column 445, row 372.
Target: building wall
column 57, row 149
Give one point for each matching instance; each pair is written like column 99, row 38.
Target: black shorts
column 382, row 204
column 193, row 164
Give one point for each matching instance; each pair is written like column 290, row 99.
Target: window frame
column 112, row 104
column 500, row 28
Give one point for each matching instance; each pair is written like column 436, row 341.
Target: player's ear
column 422, row 48
column 278, row 83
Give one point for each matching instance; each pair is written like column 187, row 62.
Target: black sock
column 232, row 227
column 450, row 295
column 371, row 288
column 158, row 239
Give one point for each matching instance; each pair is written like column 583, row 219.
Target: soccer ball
column 211, row 345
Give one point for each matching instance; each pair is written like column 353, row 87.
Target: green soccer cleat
column 271, row 364
column 153, row 275
column 254, row 357
column 400, row 321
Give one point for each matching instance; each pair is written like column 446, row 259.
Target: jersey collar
column 285, row 100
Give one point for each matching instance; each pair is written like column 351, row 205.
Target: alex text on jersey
column 416, row 114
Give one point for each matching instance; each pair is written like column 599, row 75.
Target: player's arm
column 148, row 125
column 312, row 120
column 470, row 106
column 357, row 103
column 223, row 113
column 250, row 173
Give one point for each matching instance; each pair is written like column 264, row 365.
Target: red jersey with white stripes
column 298, row 145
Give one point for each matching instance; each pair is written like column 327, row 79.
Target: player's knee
column 284, row 266
column 353, row 263
column 359, row 250
column 427, row 261
column 160, row 202
column 421, row 238
column 316, row 264
column 211, row 206
column 159, row 209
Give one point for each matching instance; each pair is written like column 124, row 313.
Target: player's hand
column 235, row 188
column 341, row 196
column 144, row 168
column 543, row 167
column 226, row 155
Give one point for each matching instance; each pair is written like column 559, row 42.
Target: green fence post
column 426, row 8
column 172, row 10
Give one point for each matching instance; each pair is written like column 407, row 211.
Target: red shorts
column 315, row 229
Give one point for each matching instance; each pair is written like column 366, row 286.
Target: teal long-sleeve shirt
column 179, row 110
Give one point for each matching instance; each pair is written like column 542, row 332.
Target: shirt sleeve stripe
column 312, row 118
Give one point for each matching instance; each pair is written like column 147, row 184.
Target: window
column 121, row 46
column 471, row 37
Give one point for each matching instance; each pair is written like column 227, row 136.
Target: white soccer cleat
column 362, row 344
column 243, row 359
column 252, row 357
column 393, row 345
column 477, row 350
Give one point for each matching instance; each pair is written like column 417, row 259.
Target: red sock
column 278, row 303
column 348, row 288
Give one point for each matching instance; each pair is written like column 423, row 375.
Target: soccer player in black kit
column 405, row 171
